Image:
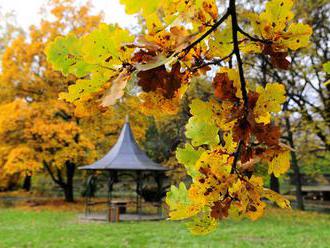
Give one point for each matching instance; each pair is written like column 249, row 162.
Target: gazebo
column 126, row 158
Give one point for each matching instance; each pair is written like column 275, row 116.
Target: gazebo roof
column 125, row 155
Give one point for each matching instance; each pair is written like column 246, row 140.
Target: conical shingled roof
column 125, row 155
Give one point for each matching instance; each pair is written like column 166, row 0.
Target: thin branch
column 52, row 174
column 268, row 42
column 59, row 175
column 207, row 33
column 232, row 10
column 236, row 156
column 235, row 27
column 213, row 62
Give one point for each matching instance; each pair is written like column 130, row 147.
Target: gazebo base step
column 122, row 217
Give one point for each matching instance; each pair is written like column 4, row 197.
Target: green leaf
column 147, row 7
column 201, row 128
column 326, row 67
column 181, row 207
column 64, row 53
column 178, row 195
column 202, row 132
column 201, row 109
column 188, row 156
column 104, row 46
column 83, row 87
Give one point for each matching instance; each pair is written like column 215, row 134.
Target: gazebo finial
column 127, row 118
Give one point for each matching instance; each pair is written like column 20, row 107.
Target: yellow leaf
column 146, row 7
column 84, row 87
column 181, row 206
column 251, row 47
column 201, row 108
column 230, row 145
column 278, row 13
column 272, row 25
column 220, row 164
column 269, row 101
column 256, row 210
column 297, row 36
column 222, row 115
column 202, row 224
column 149, row 10
column 235, row 211
column 279, row 163
column 277, row 198
column 221, row 43
column 158, row 106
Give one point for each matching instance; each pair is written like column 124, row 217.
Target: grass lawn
column 26, row 228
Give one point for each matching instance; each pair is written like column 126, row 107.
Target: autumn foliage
column 226, row 135
column 38, row 132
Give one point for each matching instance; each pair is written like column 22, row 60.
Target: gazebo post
column 138, row 191
column 110, row 186
column 158, row 179
column 89, row 192
column 113, row 209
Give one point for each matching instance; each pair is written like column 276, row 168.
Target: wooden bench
column 317, row 192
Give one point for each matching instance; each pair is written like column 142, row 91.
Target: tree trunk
column 68, row 193
column 27, row 183
column 274, row 183
column 295, row 167
column 297, row 181
column 68, row 188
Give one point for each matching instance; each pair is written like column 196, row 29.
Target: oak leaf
column 158, row 79
column 224, row 88
column 269, row 101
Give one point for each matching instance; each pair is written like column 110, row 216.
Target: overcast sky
column 27, row 11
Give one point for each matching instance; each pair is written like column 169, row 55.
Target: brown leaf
column 278, row 59
column 116, row 90
column 220, row 209
column 158, row 79
column 252, row 100
column 268, row 134
column 224, row 88
column 247, row 153
column 143, row 56
column 242, row 130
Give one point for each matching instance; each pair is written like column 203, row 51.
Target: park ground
column 58, row 226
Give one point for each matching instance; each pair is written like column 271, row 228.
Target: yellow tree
column 8, row 32
column 40, row 132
